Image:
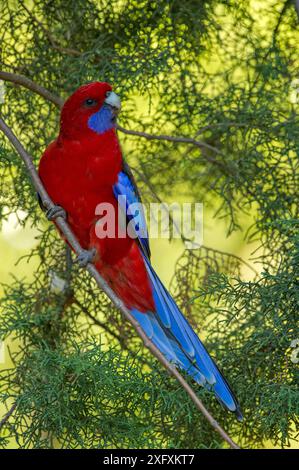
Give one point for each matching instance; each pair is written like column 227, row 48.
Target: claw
column 54, row 212
column 85, row 257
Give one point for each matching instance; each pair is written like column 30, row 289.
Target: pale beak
column 113, row 100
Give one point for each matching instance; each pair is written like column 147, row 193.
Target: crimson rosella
column 83, row 167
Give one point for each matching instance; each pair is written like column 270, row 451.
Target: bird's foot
column 54, row 212
column 85, row 257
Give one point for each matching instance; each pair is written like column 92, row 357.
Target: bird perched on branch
column 84, row 168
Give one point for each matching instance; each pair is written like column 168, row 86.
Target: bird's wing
column 125, row 190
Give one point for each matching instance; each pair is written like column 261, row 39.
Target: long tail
column 174, row 337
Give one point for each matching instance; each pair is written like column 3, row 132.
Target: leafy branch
column 58, row 101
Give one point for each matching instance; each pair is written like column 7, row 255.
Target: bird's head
column 91, row 108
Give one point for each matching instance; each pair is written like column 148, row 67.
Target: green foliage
column 260, row 320
column 220, row 72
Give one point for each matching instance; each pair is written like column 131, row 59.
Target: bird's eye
column 108, row 93
column 90, row 102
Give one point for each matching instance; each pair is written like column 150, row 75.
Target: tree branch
column 27, row 83
column 70, row 237
column 168, row 138
column 7, row 415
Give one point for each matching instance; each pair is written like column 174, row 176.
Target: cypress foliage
column 225, row 74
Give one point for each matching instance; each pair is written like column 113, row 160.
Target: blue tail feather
column 174, row 337
column 166, row 345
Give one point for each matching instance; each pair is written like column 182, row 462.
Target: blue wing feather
column 126, row 187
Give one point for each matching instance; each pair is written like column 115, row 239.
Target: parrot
column 83, row 167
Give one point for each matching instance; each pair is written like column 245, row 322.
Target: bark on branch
column 27, row 83
column 7, row 415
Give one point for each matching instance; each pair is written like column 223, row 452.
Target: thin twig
column 169, row 138
column 70, row 237
column 7, row 415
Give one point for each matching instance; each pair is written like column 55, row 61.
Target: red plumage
column 79, row 170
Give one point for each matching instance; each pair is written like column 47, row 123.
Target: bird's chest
column 82, row 175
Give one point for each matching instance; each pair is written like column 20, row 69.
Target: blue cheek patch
column 101, row 121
